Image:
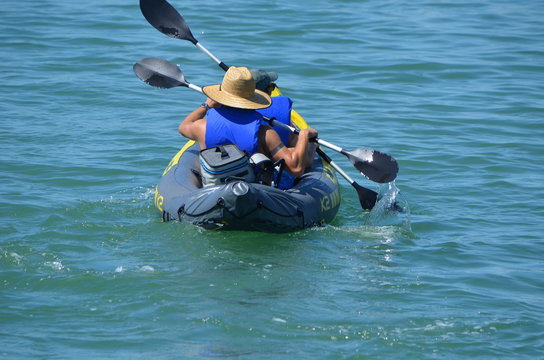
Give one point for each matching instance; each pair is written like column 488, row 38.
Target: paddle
column 169, row 21
column 375, row 165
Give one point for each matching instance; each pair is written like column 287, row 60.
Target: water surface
column 453, row 90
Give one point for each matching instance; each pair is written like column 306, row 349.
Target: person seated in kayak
column 280, row 110
column 281, row 105
column 229, row 116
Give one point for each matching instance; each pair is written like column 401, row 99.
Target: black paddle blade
column 375, row 165
column 166, row 19
column 159, row 73
column 367, row 197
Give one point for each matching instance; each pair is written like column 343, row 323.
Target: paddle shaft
column 221, row 64
column 295, row 131
column 334, row 165
column 195, row 87
column 367, row 197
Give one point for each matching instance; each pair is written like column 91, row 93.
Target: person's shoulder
column 288, row 99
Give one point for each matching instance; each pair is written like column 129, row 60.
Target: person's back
column 281, row 111
column 226, row 125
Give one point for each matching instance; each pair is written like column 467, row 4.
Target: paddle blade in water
column 159, row 73
column 375, row 165
column 166, row 19
column 367, row 197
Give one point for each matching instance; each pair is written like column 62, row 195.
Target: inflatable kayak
column 238, row 205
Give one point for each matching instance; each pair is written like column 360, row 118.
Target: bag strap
column 222, row 150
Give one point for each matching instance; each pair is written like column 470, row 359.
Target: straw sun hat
column 238, row 90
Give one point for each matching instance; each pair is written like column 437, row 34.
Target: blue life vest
column 287, row 180
column 281, row 110
column 226, row 125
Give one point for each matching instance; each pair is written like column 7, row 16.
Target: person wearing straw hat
column 230, row 116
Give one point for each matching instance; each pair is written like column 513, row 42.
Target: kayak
column 239, row 205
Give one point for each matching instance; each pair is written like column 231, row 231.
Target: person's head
column 264, row 80
column 238, row 90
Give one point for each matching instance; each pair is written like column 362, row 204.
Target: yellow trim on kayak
column 158, row 199
column 298, row 120
column 176, row 157
column 329, row 171
column 276, row 91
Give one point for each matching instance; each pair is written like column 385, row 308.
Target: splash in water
column 390, row 209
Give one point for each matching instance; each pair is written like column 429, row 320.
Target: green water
column 453, row 90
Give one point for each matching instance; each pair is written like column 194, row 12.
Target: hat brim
column 260, row 100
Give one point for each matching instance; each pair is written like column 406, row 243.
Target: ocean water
column 452, row 89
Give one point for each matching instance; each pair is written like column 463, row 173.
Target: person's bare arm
column 297, row 158
column 194, row 125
